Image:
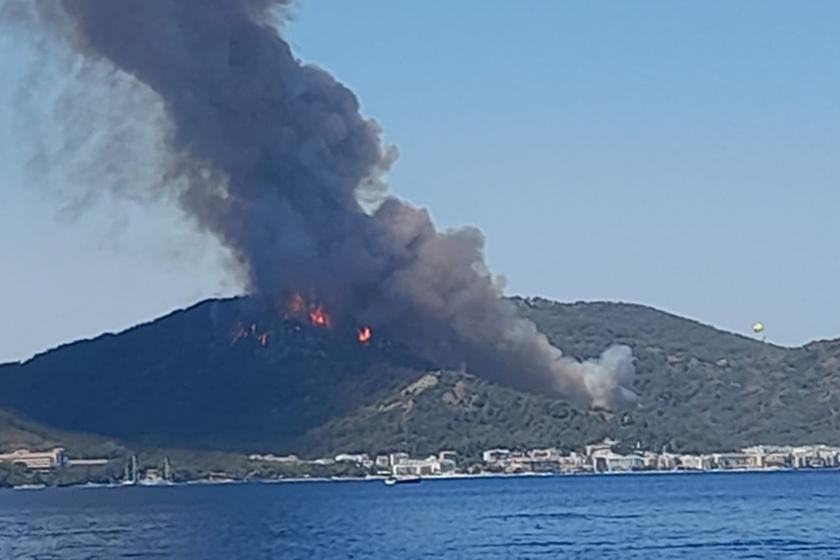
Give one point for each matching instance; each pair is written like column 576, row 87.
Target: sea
column 686, row 516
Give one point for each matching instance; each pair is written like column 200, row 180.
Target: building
column 614, row 462
column 430, row 466
column 571, row 463
column 516, row 463
column 358, row 458
column 690, row 462
column 495, row 455
column 825, row 456
column 776, row 460
column 35, row 459
column 448, row 456
column 290, row 459
column 417, row 467
column 86, row 462
column 600, row 448
column 447, row 466
column 666, row 462
column 731, row 461
column 814, row 456
column 548, row 454
column 397, row 458
column 650, row 460
column 382, row 462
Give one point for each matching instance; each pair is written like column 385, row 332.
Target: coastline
column 448, row 477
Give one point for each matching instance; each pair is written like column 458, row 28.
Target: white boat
column 155, row 481
column 153, row 477
column 394, row 480
column 29, row 487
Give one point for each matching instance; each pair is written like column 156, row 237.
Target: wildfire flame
column 364, row 335
column 298, row 306
column 319, row 317
column 241, row 332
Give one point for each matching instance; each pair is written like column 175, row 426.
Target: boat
column 394, row 480
column 29, row 487
column 154, row 477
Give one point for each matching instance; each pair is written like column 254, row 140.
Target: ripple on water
column 634, row 517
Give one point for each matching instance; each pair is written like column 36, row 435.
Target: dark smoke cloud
column 274, row 158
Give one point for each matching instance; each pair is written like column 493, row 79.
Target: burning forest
column 273, row 157
column 297, row 312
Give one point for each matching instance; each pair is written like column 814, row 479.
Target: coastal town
column 597, row 458
column 600, row 458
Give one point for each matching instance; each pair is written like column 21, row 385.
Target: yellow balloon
column 758, row 327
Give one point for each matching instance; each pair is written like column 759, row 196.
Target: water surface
column 744, row 515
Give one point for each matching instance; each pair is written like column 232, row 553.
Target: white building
column 35, row 459
column 667, row 461
column 547, row 454
column 291, row 459
column 600, row 448
column 614, row 462
column 650, row 460
column 570, row 463
column 447, row 466
column 397, row 458
column 690, row 462
column 86, row 462
column 495, row 455
column 735, row 461
column 358, row 458
column 417, row 467
column 448, row 456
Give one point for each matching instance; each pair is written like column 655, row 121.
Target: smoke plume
column 274, row 158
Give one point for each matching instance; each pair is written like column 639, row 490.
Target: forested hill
column 207, row 378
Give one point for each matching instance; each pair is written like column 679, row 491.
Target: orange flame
column 319, row 317
column 364, row 335
column 241, row 332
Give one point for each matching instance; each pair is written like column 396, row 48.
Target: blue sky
column 681, row 155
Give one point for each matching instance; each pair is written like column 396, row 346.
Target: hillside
column 701, row 388
column 17, row 433
column 204, row 378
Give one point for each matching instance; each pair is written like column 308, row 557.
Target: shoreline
column 450, row 477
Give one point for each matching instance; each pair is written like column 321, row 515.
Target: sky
column 680, row 155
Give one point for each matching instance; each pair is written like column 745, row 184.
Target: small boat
column 155, row 481
column 153, row 477
column 394, row 480
column 29, row 487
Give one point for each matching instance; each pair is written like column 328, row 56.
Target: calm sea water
column 761, row 515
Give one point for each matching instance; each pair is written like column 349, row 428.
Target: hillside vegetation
column 193, row 380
